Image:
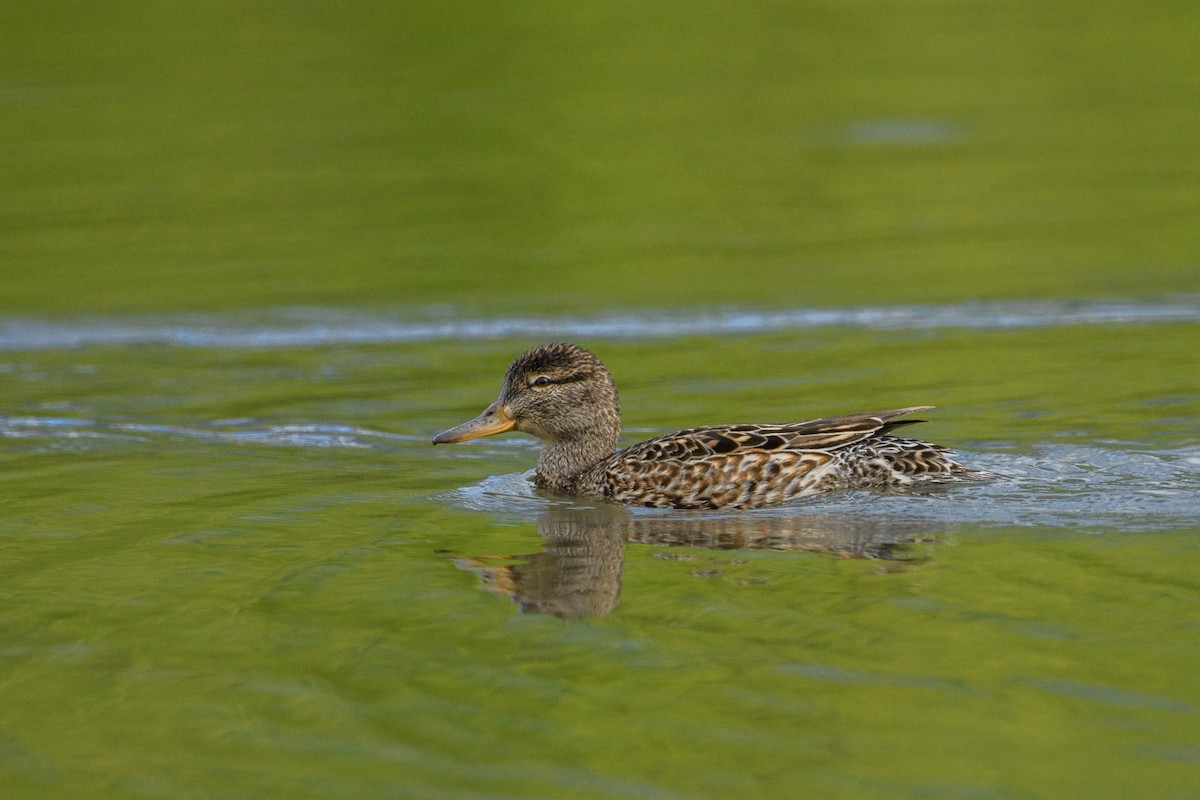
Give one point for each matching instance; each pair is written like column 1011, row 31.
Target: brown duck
column 565, row 396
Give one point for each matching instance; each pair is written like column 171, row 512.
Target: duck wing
column 736, row 466
column 814, row 436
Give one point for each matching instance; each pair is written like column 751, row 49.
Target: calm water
column 245, row 572
column 253, row 256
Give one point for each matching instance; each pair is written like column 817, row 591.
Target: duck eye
column 540, row 380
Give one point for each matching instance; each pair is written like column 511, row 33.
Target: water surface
column 254, row 255
column 212, row 552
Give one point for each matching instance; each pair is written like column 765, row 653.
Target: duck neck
column 562, row 461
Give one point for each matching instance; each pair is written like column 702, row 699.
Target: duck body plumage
column 565, row 396
column 747, row 466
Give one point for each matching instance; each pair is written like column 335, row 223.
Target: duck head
column 560, row 393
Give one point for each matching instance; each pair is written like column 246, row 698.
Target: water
column 214, row 551
column 319, row 326
column 254, row 256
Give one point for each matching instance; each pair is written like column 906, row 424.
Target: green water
column 162, row 156
column 240, row 571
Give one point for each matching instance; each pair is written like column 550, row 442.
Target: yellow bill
column 493, row 420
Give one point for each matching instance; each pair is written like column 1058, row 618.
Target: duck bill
column 493, row 420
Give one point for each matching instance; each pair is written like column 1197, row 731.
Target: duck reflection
column 578, row 571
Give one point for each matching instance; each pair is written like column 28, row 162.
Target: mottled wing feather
column 731, row 466
column 870, row 422
column 752, row 478
column 819, row 434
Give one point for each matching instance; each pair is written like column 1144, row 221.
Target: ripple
column 900, row 131
column 1082, row 488
column 59, row 431
column 1111, row 697
column 325, row 327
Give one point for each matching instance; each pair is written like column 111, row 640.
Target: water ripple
column 323, row 327
column 1083, row 488
column 53, row 432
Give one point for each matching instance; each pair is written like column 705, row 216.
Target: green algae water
column 254, row 256
column 245, row 572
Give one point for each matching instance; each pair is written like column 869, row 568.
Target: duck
column 565, row 396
